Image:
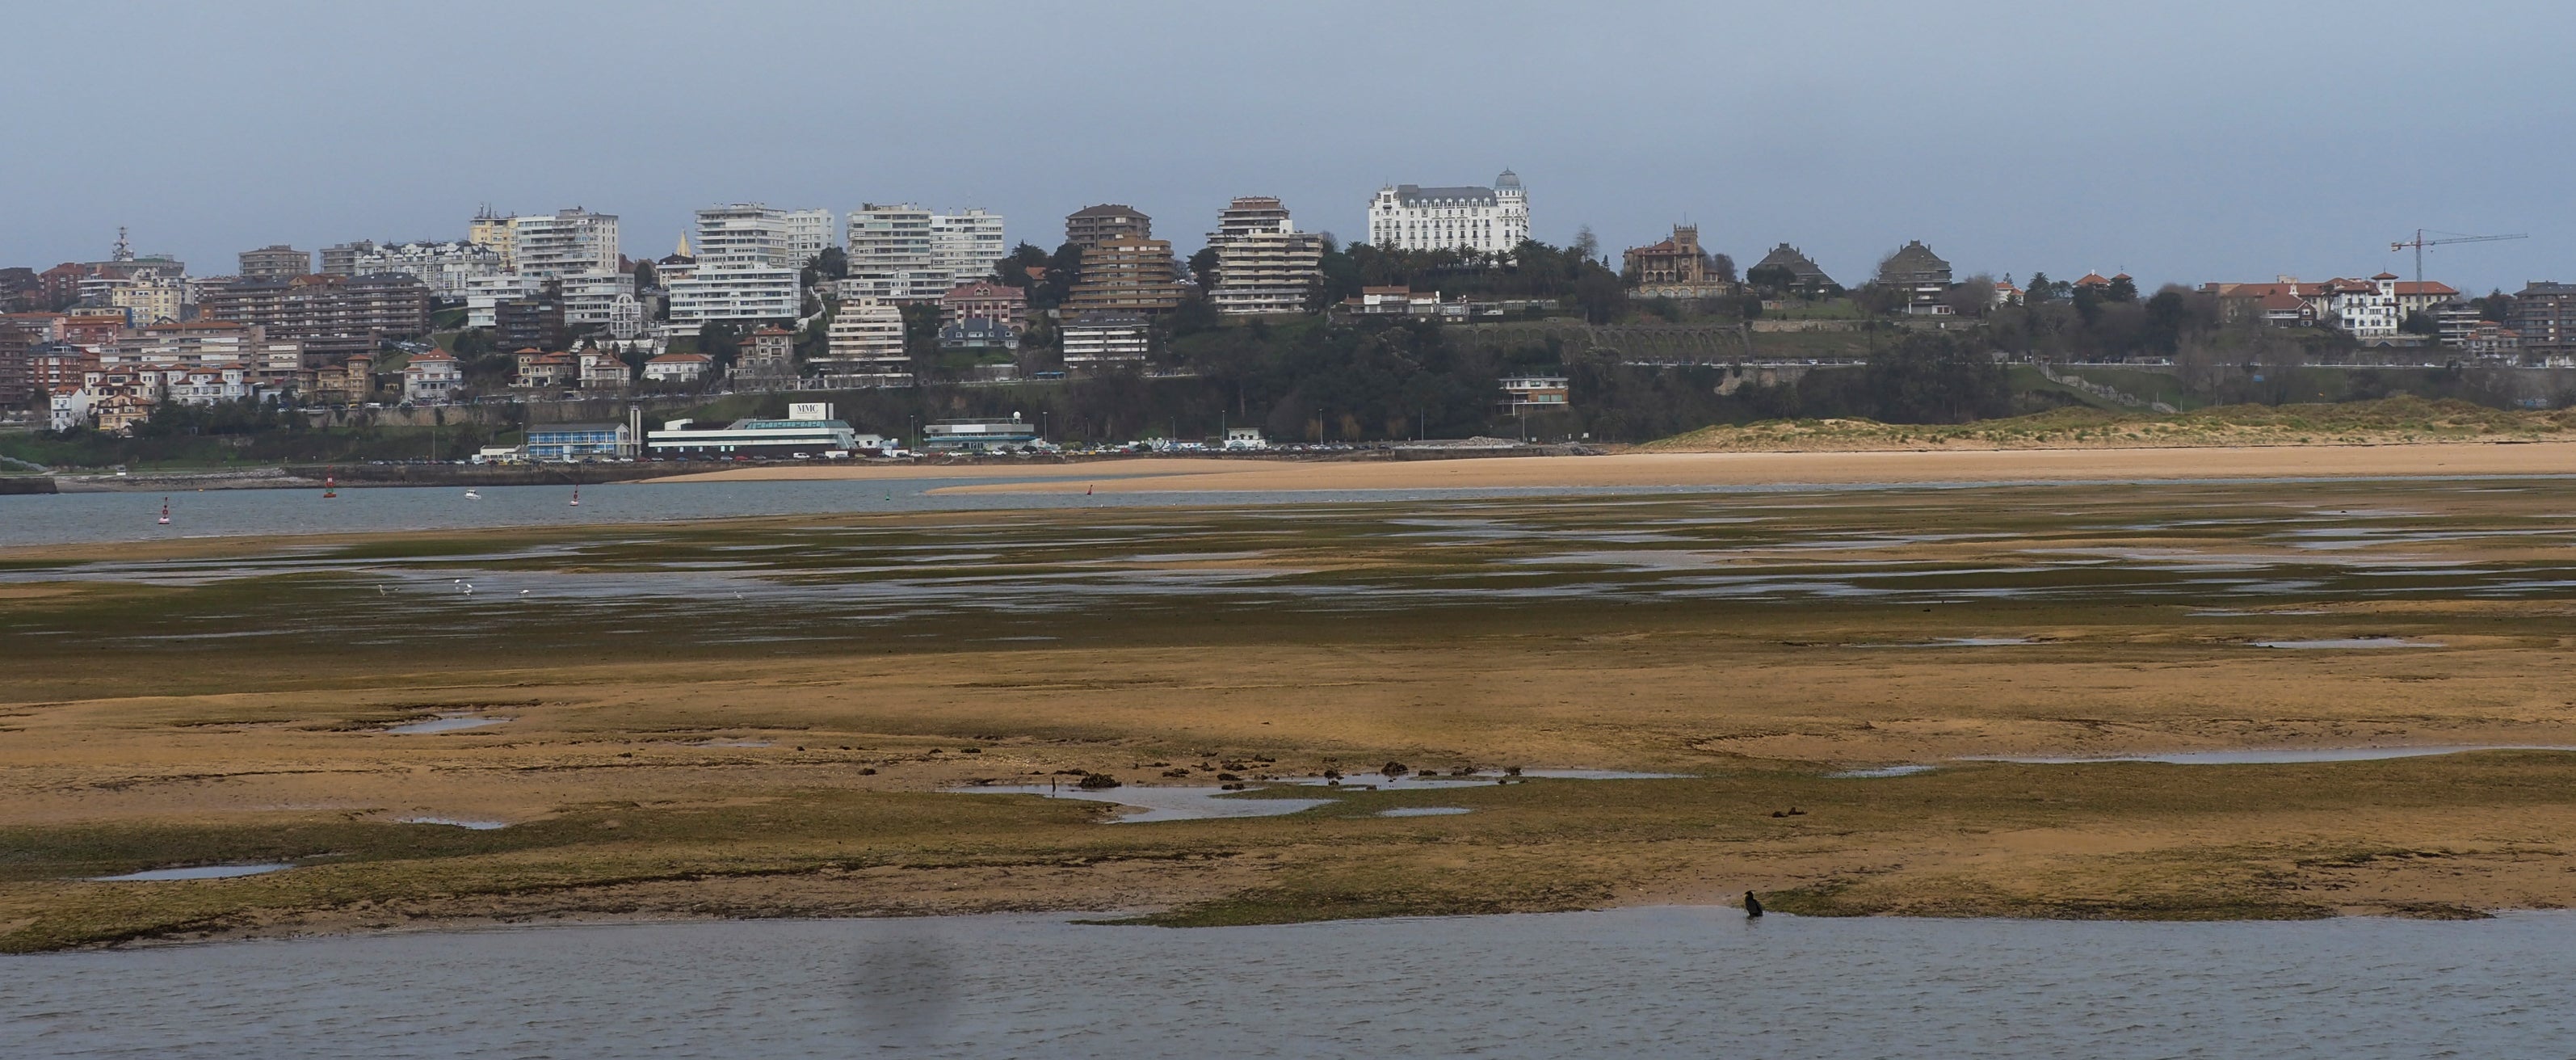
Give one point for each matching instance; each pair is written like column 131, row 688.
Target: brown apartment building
column 276, row 261
column 1094, row 225
column 2545, row 316
column 333, row 315
column 17, row 365
column 1125, row 275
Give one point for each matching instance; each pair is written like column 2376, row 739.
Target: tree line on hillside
column 1378, row 380
column 1572, row 274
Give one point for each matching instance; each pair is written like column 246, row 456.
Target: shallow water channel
column 1276, row 798
column 1653, row 982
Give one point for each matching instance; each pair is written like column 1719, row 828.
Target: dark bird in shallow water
column 1752, row 905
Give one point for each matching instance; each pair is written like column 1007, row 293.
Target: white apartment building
column 69, row 409
column 591, row 297
column 1105, row 340
column 966, row 244
column 867, row 336
column 733, row 292
column 755, row 234
column 1263, row 264
column 482, row 293
column 432, row 378
column 2364, row 309
column 907, row 253
column 890, row 253
column 443, row 267
column 1489, row 220
column 564, row 242
column 809, row 232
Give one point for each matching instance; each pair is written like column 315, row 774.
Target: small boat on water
column 165, row 511
column 472, row 496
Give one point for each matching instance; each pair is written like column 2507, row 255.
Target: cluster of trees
column 1573, row 275
column 2058, row 320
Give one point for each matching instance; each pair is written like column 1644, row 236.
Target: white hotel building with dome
column 1412, row 217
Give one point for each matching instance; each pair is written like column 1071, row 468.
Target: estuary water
column 1654, row 982
column 79, row 518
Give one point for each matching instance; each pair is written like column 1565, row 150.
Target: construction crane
column 2447, row 238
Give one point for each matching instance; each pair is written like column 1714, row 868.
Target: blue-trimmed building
column 579, row 441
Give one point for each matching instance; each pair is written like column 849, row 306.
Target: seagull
column 523, row 592
column 469, row 590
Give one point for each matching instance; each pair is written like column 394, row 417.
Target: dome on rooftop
column 1509, row 179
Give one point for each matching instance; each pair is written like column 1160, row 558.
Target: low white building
column 678, row 368
column 897, row 285
column 603, row 370
column 69, row 409
column 808, row 428
column 432, row 378
column 734, row 292
column 1538, row 392
column 982, row 434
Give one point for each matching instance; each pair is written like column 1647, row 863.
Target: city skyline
column 2206, row 142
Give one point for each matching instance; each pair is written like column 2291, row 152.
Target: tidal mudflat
column 763, row 716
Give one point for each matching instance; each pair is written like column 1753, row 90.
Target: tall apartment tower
column 890, row 253
column 966, row 244
column 275, row 262
column 1094, row 225
column 1487, row 220
column 1263, row 264
column 564, row 242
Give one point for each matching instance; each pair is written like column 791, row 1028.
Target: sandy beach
column 1165, row 474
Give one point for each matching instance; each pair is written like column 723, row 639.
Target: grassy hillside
column 2388, row 421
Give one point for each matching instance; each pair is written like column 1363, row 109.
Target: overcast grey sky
column 2180, row 141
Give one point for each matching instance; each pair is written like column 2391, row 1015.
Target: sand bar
column 1722, row 469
